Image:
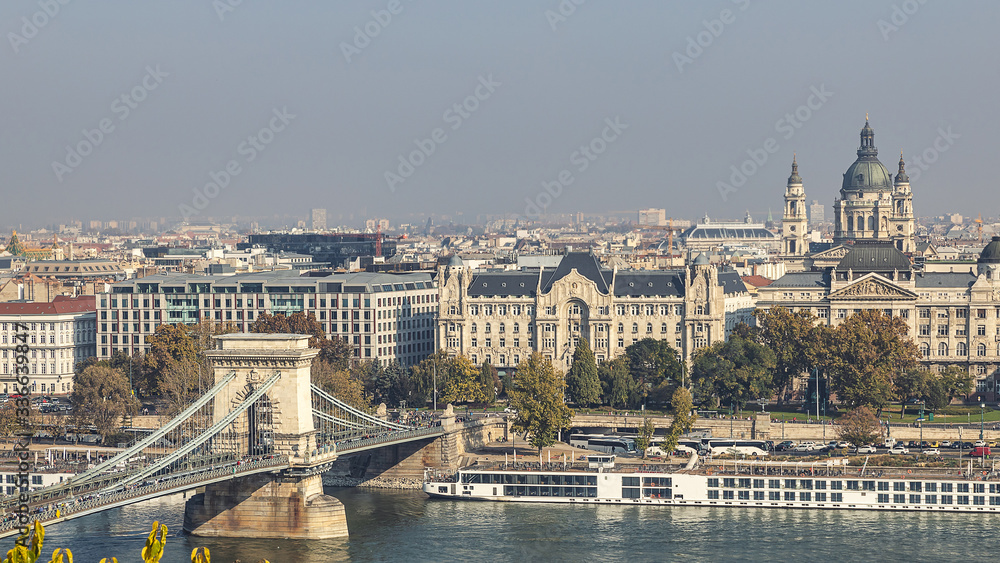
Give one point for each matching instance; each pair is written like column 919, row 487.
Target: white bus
column 718, row 446
column 603, row 443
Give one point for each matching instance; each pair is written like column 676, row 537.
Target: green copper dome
column 991, row 254
column 867, row 173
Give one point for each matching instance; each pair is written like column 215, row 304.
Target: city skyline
column 516, row 110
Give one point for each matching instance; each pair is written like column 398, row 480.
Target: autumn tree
column 795, row 339
column 101, row 397
column 463, row 384
column 174, row 345
column 340, row 383
column 655, row 366
column 860, row 426
column 911, row 384
column 336, row 351
column 644, row 436
column 537, row 396
column 736, row 371
column 868, row 352
column 682, row 407
column 181, row 381
column 583, row 386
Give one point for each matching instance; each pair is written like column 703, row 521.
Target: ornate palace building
column 502, row 317
column 954, row 317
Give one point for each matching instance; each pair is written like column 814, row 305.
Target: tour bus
column 717, row 446
column 612, row 445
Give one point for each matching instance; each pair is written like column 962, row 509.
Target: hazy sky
column 312, row 103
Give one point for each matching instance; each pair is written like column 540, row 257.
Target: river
column 406, row 526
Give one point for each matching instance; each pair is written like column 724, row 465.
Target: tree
column 644, row 436
column 859, row 427
column 179, row 384
column 655, row 368
column 683, row 410
column 435, row 367
column 942, row 388
column 912, row 384
column 489, row 382
column 619, row 386
column 583, row 386
column 101, row 398
column 538, row 398
column 463, row 384
column 794, row 338
column 339, row 383
column 866, row 355
column 336, row 351
column 177, row 344
column 737, row 371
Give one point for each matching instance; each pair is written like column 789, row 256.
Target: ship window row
column 516, row 479
column 897, row 498
column 852, row 485
column 543, row 491
column 776, row 496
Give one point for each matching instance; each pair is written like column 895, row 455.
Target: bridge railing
column 10, row 520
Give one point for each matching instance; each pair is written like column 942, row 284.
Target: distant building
column 384, row 317
column 708, row 235
column 334, row 249
column 319, row 219
column 817, row 213
column 652, row 217
column 60, row 334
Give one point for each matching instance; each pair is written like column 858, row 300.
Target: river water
column 407, row 526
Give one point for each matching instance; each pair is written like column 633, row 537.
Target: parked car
column 785, row 446
column 899, row 449
column 866, row 449
column 843, row 444
column 912, row 444
column 931, row 451
column 805, row 447
column 946, row 444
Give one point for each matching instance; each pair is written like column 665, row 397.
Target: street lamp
column 982, row 411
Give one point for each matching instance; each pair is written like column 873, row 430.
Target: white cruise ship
column 830, row 484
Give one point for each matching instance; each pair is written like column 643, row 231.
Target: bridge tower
column 291, row 505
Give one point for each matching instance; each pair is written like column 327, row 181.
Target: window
column 942, row 330
column 981, row 330
column 962, row 349
column 943, row 349
column 823, row 313
column 981, row 349
column 925, row 330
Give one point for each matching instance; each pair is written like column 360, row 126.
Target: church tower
column 901, row 223
column 793, row 222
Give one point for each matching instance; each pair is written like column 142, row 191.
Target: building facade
column 502, row 317
column 60, row 334
column 873, row 205
column 383, row 316
column 954, row 317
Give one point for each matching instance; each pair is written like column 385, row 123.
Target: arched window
column 850, row 223
column 649, row 328
column 981, row 349
column 962, row 349
column 621, row 327
column 943, row 349
column 635, row 328
column 663, row 328
column 925, row 350
column 488, row 328
column 871, row 222
column 473, row 328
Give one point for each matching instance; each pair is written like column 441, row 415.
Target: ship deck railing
column 838, row 467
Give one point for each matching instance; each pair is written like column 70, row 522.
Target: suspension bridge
column 257, row 440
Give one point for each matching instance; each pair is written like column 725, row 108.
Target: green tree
column 736, row 371
column 538, row 398
column 435, row 367
column 644, row 436
column 682, row 406
column 655, row 367
column 489, row 382
column 340, row 383
column 619, row 386
column 795, row 339
column 583, row 387
column 867, row 353
column 942, row 388
column 463, row 384
column 913, row 383
column 101, row 398
column 859, row 427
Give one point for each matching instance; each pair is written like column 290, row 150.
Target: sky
column 403, row 108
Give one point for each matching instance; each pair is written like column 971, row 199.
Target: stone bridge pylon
column 290, row 505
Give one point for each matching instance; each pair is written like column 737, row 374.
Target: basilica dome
column 867, row 173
